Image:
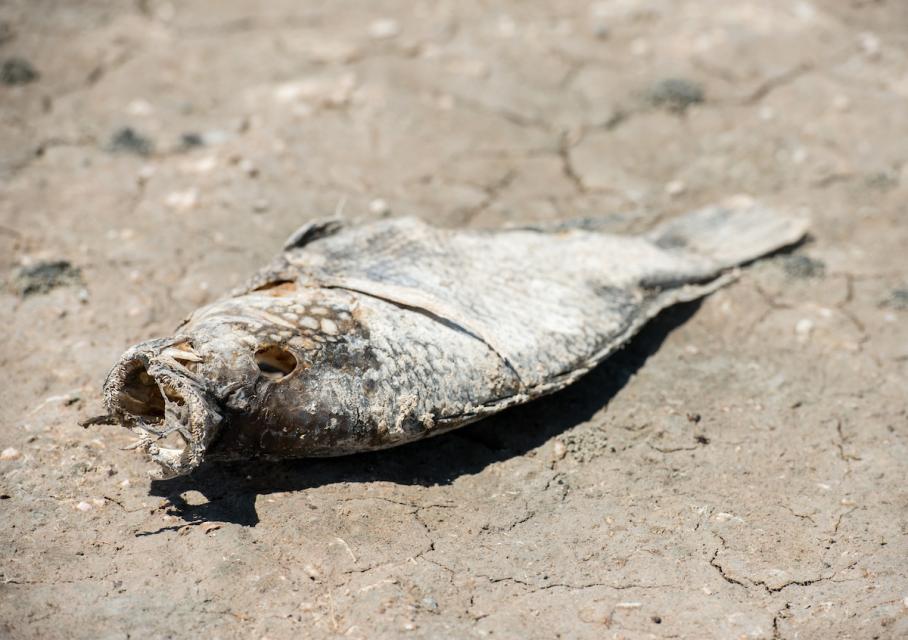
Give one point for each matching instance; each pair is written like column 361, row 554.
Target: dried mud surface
column 737, row 472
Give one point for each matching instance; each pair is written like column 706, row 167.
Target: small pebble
column 191, row 139
column 675, row 94
column 205, row 164
column 83, row 506
column 260, row 206
column 145, row 173
column 559, row 450
column 870, row 45
column 128, row 140
column 247, row 167
column 139, row 108
column 216, row 137
column 601, row 30
column 898, row 299
column 803, row 329
column 10, row 453
column 17, row 71
column 384, row 29
column 675, row 188
column 379, row 207
column 182, row 200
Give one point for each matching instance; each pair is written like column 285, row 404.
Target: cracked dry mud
column 738, row 471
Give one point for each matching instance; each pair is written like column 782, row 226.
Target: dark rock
column 41, row 277
column 675, row 94
column 127, row 140
column 898, row 299
column 17, row 71
column 191, row 139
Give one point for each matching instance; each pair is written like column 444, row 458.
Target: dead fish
column 358, row 338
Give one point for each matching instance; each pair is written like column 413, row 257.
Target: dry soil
column 739, row 471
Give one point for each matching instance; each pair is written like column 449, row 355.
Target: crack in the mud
column 838, row 522
column 762, row 583
column 567, row 167
column 492, row 192
column 802, row 516
column 535, row 588
column 840, row 443
column 668, row 450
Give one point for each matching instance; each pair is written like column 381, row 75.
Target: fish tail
column 734, row 232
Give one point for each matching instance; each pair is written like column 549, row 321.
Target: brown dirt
column 737, row 472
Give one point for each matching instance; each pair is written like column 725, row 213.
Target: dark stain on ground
column 16, row 71
column 798, row 265
column 41, row 277
column 898, row 299
column 675, row 94
column 128, row 140
column 232, row 488
column 190, row 140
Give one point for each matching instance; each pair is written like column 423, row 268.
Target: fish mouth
column 156, row 396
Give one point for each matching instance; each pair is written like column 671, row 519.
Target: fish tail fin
column 734, row 232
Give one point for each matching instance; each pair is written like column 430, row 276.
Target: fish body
column 364, row 337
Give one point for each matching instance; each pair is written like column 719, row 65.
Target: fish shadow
column 232, row 488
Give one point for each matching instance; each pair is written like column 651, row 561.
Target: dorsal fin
column 312, row 231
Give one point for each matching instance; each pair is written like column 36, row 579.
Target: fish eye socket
column 275, row 362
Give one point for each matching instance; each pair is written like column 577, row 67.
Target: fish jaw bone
column 151, row 393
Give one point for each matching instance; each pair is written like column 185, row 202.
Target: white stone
column 384, row 29
column 803, row 329
column 182, row 200
column 675, row 188
column 379, row 207
column 10, row 453
column 139, row 108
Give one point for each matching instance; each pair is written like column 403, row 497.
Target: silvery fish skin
column 358, row 338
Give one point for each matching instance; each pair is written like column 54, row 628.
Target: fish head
column 234, row 362
column 152, row 391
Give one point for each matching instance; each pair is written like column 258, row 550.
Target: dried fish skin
column 365, row 337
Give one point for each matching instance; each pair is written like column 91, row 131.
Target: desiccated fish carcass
column 363, row 337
